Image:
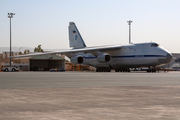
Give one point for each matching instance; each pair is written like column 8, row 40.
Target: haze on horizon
column 102, row 22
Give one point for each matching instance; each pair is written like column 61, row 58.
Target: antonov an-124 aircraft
column 118, row 57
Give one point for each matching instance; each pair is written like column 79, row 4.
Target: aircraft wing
column 93, row 50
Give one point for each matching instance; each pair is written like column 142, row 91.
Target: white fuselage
column 130, row 56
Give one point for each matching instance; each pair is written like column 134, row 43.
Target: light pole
column 19, row 52
column 19, row 49
column 129, row 23
column 10, row 15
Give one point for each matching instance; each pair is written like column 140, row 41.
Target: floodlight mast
column 129, row 23
column 10, row 15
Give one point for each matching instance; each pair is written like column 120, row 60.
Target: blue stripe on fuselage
column 129, row 56
column 137, row 56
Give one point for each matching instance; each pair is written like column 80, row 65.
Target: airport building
column 46, row 62
column 37, row 63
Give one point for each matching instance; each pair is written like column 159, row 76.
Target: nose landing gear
column 151, row 69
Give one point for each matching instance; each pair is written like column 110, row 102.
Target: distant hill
column 24, row 48
column 15, row 49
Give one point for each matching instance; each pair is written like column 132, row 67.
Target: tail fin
column 75, row 39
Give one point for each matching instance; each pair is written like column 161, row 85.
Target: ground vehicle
column 13, row 69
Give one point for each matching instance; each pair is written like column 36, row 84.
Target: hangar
column 46, row 62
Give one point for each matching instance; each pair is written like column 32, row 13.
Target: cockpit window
column 154, row 45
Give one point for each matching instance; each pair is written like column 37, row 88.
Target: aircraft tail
column 75, row 39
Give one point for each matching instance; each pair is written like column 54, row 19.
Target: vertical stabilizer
column 75, row 39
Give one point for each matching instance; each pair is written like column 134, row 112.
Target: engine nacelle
column 77, row 59
column 104, row 58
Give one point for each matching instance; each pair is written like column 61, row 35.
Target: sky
column 100, row 22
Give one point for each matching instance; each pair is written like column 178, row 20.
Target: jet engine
column 77, row 59
column 104, row 58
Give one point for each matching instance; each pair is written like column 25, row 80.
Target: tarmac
column 89, row 96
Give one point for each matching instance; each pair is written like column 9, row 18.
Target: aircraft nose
column 167, row 59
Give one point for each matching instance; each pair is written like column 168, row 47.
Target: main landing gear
column 103, row 69
column 122, row 70
column 151, row 69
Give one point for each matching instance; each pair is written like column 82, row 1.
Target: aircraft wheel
column 13, row 70
column 104, row 69
column 107, row 69
column 97, row 69
column 100, row 69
